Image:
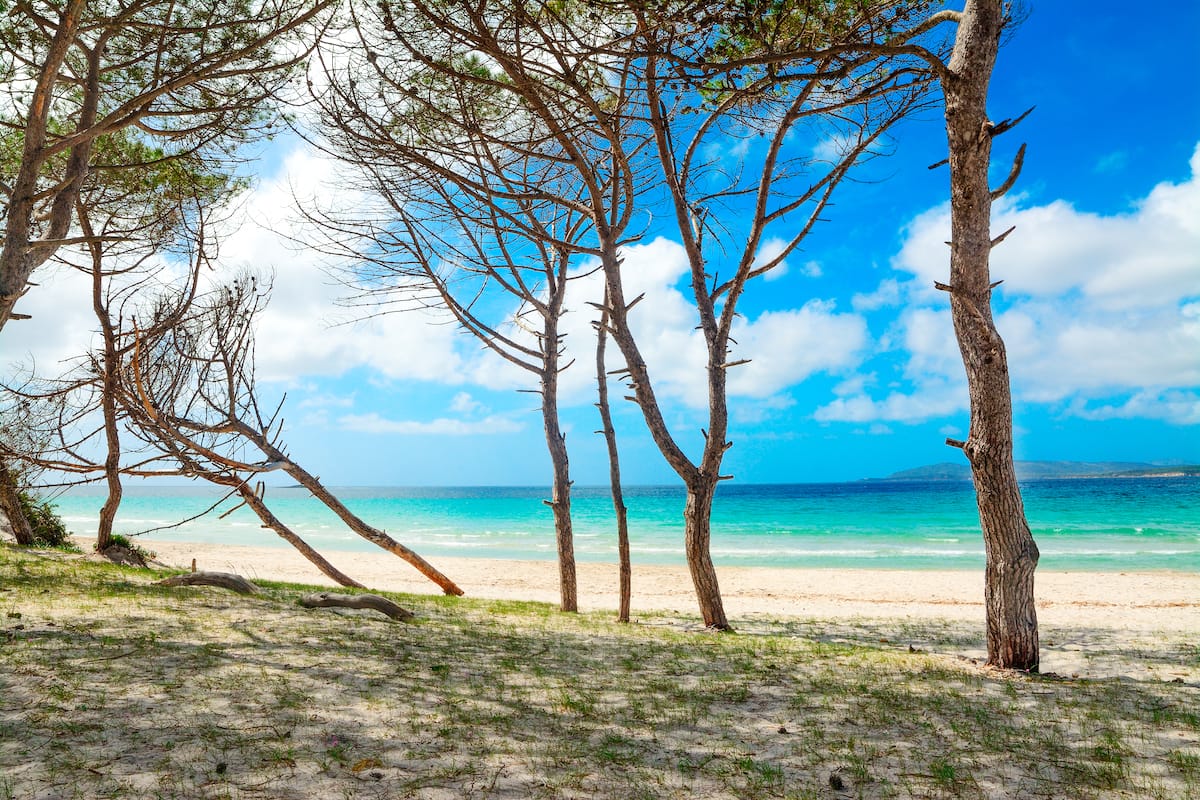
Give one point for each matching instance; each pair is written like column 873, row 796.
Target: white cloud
column 302, row 332
column 443, row 426
column 888, row 294
column 466, row 405
column 61, row 324
column 770, row 250
column 1180, row 407
column 326, row 400
column 933, row 398
column 784, row 347
column 1093, row 308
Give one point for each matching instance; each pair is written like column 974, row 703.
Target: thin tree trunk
column 625, row 569
column 557, row 446
column 1012, row 554
column 10, row 506
column 108, row 399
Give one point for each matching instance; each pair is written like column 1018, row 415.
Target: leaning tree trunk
column 1012, row 555
column 557, row 446
column 352, row 520
column 10, row 507
column 273, row 522
column 624, row 568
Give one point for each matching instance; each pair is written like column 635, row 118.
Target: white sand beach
column 1143, row 601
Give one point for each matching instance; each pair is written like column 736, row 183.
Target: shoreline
column 1143, row 601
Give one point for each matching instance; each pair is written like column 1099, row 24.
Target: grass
column 113, row 687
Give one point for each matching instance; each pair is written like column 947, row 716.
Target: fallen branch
column 225, row 580
column 371, row 601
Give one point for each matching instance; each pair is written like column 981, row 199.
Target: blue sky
column 855, row 372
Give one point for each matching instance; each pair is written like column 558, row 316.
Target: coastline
column 1123, row 601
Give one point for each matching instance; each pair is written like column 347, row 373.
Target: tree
column 447, row 142
column 964, row 77
column 617, row 105
column 196, row 77
column 1012, row 554
column 190, row 393
column 139, row 227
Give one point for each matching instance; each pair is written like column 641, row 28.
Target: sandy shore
column 1117, row 601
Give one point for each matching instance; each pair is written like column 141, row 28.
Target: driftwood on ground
column 225, row 580
column 371, row 601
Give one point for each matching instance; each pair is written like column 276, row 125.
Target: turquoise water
column 1089, row 524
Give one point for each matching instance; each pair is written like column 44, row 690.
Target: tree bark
column 10, row 507
column 373, row 602
column 352, row 520
column 274, row 523
column 624, row 567
column 1012, row 555
column 224, row 580
column 557, row 445
column 697, row 533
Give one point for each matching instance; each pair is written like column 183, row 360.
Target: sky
column 854, row 371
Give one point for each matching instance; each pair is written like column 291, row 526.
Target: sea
column 1103, row 524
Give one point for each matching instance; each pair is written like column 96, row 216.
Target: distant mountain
column 1027, row 470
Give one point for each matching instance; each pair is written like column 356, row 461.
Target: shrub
column 48, row 527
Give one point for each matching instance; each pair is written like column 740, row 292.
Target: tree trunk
column 373, row 602
column 1012, row 555
column 10, row 507
column 561, row 500
column 18, row 258
column 625, row 569
column 352, row 520
column 108, row 399
column 697, row 529
column 223, row 580
column 701, row 482
column 274, row 523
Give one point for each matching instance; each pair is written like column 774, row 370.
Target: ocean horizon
column 1081, row 524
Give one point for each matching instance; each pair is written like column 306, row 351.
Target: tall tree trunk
column 1012, row 555
column 18, row 256
column 556, row 443
column 10, row 506
column 108, row 398
column 624, row 567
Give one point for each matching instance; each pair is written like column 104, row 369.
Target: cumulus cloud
column 303, row 332
column 783, row 347
column 1099, row 312
column 61, row 324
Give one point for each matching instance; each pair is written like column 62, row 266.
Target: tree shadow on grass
column 137, row 691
